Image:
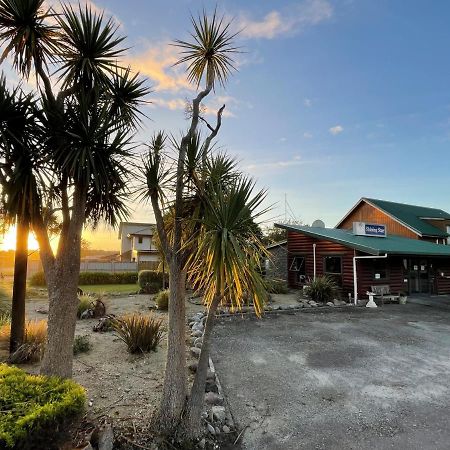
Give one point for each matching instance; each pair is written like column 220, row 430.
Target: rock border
column 216, row 415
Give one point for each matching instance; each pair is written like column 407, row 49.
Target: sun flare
column 8, row 240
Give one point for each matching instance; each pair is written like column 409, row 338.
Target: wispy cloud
column 307, row 102
column 231, row 104
column 271, row 166
column 209, row 109
column 294, row 19
column 172, row 104
column 307, row 135
column 336, row 130
column 157, row 61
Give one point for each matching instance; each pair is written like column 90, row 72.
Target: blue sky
column 334, row 99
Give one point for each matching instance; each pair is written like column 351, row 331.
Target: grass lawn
column 110, row 288
column 39, row 292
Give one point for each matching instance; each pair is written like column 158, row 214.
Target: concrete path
column 345, row 379
column 435, row 301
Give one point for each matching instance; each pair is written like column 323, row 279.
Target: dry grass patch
column 34, row 343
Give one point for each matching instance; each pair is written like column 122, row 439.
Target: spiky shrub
column 81, row 344
column 140, row 333
column 85, row 302
column 35, row 408
column 33, row 346
column 5, row 317
column 322, row 289
column 162, row 300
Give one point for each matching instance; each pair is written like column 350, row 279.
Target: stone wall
column 277, row 266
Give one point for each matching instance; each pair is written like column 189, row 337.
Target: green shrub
column 38, row 279
column 276, row 286
column 92, row 278
column 35, row 408
column 322, row 289
column 162, row 300
column 150, row 281
column 81, row 344
column 140, row 333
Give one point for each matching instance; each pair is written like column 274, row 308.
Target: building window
column 298, row 266
column 333, row 268
column 448, row 232
column 140, row 239
column 380, row 270
column 333, row 265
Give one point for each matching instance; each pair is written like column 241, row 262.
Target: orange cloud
column 156, row 62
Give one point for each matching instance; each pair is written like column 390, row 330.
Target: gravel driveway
column 344, row 379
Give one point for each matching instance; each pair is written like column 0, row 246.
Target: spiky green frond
column 21, row 160
column 209, row 54
column 91, row 48
column 227, row 257
column 25, row 31
column 154, row 171
column 126, row 96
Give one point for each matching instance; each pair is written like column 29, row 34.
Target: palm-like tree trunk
column 19, row 286
column 174, row 392
column 191, row 427
column 63, row 301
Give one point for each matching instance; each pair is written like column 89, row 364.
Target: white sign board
column 369, row 229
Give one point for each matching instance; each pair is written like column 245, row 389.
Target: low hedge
column 151, row 281
column 93, row 278
column 36, row 410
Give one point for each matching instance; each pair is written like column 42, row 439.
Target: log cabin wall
column 301, row 245
column 367, row 213
column 442, row 283
column 396, row 274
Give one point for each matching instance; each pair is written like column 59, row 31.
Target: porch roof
column 393, row 245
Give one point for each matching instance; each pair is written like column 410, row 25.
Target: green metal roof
column 394, row 245
column 412, row 216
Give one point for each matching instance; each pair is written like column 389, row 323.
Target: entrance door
column 419, row 276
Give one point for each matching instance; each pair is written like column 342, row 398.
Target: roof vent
column 318, row 224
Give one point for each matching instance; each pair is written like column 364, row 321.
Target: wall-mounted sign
column 369, row 229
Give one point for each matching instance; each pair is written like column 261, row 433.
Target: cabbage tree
column 89, row 109
column 208, row 59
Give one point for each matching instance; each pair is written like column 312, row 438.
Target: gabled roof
column 141, row 231
column 277, row 244
column 394, row 245
column 411, row 216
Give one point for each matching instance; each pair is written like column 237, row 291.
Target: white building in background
column 137, row 242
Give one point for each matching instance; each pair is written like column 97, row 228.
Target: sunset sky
column 334, row 100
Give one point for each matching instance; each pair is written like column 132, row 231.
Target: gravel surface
column 343, row 379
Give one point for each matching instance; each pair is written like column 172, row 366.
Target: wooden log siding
column 367, row 213
column 301, row 245
column 395, row 276
column 442, row 284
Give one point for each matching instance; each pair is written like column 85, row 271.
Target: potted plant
column 402, row 298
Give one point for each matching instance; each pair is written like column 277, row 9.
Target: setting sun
column 8, row 240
